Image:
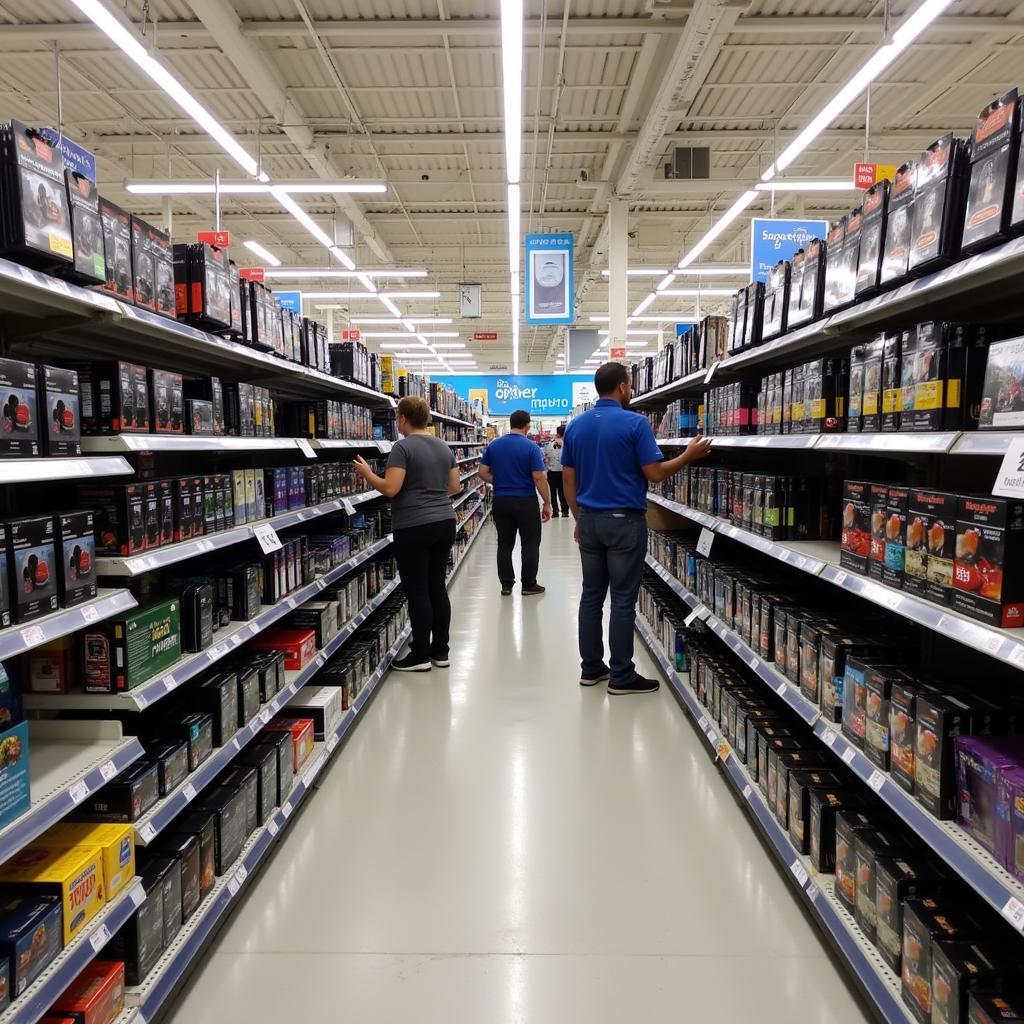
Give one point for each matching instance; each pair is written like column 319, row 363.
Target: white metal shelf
column 879, row 983
column 31, row 471
column 186, row 668
column 925, row 443
column 466, row 495
column 333, row 444
column 166, row 443
column 444, row 417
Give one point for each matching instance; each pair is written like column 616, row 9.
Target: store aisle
column 496, row 845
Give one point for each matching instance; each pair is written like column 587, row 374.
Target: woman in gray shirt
column 420, row 479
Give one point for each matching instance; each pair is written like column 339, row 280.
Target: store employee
column 608, row 459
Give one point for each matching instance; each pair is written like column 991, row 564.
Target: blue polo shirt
column 513, row 459
column 606, row 446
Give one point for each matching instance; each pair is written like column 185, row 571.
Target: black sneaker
column 535, row 589
column 410, row 663
column 638, row 684
column 506, row 591
column 593, row 678
column 440, row 661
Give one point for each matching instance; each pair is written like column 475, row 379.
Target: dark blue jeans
column 613, row 545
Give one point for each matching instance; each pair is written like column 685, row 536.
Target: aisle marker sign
column 774, row 239
column 1010, row 478
column 267, row 537
column 549, row 292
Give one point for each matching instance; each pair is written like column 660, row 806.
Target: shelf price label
column 108, row 770
column 32, row 636
column 305, row 447
column 828, row 737
column 147, row 832
column 705, row 541
column 848, row 755
column 267, row 537
column 189, row 792
column 350, row 509
column 747, row 791
column 1010, row 478
column 99, row 938
column 78, row 792
column 89, row 613
column 1013, row 911
column 799, row 872
column 876, row 781
column 272, row 827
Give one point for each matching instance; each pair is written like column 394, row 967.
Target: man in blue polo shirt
column 608, row 458
column 514, row 465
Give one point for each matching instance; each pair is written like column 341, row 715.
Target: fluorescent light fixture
column 342, row 257
column 125, row 38
column 302, row 217
column 810, row 185
column 512, row 84
column 665, row 282
column 449, row 344
column 327, row 274
column 388, row 304
column 719, row 226
column 638, row 272
column 737, row 271
column 514, row 203
column 205, row 187
column 388, row 334
column 401, row 348
column 692, row 293
column 366, row 282
column 630, row 333
column 513, row 287
column 261, row 253
column 411, row 295
column 644, row 304
column 358, row 320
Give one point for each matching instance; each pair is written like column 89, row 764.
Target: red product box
column 988, row 574
column 96, row 996
column 298, row 645
column 878, row 498
column 855, row 548
column 301, row 731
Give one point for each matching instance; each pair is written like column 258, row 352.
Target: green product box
column 123, row 652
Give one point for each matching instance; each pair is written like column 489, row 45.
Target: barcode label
column 233, row 887
column 877, row 780
column 272, row 827
column 828, row 738
column 33, row 635
column 746, row 792
column 147, row 832
column 78, row 792
column 286, row 810
column 1013, row 911
column 89, row 613
column 799, row 872
column 780, row 689
column 108, row 770
column 99, row 938
column 849, row 754
column 189, row 791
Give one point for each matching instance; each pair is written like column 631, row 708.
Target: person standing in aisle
column 420, row 479
column 553, row 461
column 514, row 466
column 608, row 458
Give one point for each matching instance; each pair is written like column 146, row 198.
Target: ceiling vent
column 689, row 162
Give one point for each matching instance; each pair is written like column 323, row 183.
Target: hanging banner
column 220, row 239
column 540, row 394
column 867, row 175
column 76, row 158
column 774, row 239
column 290, row 300
column 549, row 289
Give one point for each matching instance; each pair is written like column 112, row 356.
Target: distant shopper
column 420, row 478
column 553, row 461
column 515, row 466
column 609, row 456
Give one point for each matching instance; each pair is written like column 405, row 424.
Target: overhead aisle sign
column 290, row 300
column 540, row 394
column 549, row 290
column 774, row 239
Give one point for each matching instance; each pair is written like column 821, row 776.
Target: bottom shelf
column 878, row 982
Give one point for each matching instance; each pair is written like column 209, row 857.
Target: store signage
column 1010, row 478
column 76, row 159
column 498, row 367
column 350, row 334
column 681, row 329
column 774, row 239
column 617, row 353
column 257, row 274
column 539, row 394
column 221, row 239
column 549, row 287
column 865, row 175
column 485, row 335
column 290, row 300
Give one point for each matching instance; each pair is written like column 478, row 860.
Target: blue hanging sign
column 773, row 239
column 290, row 300
column 76, row 158
column 549, row 290
column 540, row 394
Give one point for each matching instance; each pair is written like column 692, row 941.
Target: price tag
column 839, row 579
column 169, row 682
column 108, row 770
column 746, row 792
column 702, row 723
column 286, row 810
column 982, row 637
column 99, row 938
column 217, row 652
column 89, row 613
column 848, row 755
column 138, row 896
column 1013, row 911
column 332, row 743
column 189, row 791
column 813, row 892
column 78, row 792
column 800, row 872
column 1010, row 478
column 877, row 780
column 1017, row 656
column 204, row 546
column 147, row 832
column 241, row 874
column 712, row 735
column 711, row 372
column 254, row 628
column 33, row 636
column 350, row 509
column 233, row 887
column 828, row 738
column 755, row 663
column 272, row 827
column 692, row 617
column 705, row 541
column 265, row 715
column 267, row 537
column 780, row 689
column 305, row 447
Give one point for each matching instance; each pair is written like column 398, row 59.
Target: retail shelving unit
column 33, row 471
column 334, row 444
column 444, row 418
column 879, row 983
column 133, row 443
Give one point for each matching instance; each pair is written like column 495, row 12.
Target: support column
column 618, row 281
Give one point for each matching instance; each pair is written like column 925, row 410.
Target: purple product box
column 1010, row 822
column 980, row 763
column 296, row 487
column 275, row 484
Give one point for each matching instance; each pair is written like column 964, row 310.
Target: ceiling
column 410, row 91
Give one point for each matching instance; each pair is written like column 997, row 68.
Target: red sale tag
column 863, row 175
column 351, row 334
column 253, row 274
column 221, row 239
column 617, row 353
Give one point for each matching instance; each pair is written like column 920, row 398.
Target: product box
column 859, row 358
column 1002, row 402
column 822, row 807
column 119, row 514
column 120, row 653
column 849, row 824
column 229, row 814
column 140, row 941
column 301, row 732
column 197, row 615
column 298, row 645
column 185, row 851
column 125, row 798
column 115, row 398
column 117, row 250
column 931, row 544
column 869, row 847
column 938, row 214
column 199, row 417
column 248, row 694
column 115, row 842
column 988, row 574
column 200, row 824
column 896, row 509
column 281, row 745
column 76, row 543
column 898, row 879
column 31, row 566
column 940, row 719
column 171, row 760
column 878, row 498
column 59, row 411
column 896, row 251
column 218, row 697
column 892, row 382
column 14, row 773
column 31, row 935
column 879, row 683
column 96, row 996
column 197, row 731
column 86, row 230
column 995, row 1007
column 51, row 667
column 264, row 760
column 74, row 875
column 903, row 732
column 856, row 533
column 168, row 883
column 994, row 147
column 166, row 401
column 800, row 786
column 320, row 703
column 1010, row 822
column 243, row 778
column 980, row 763
column 20, row 414
column 872, row 238
column 835, row 290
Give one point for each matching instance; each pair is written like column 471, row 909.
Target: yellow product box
column 76, row 875
column 117, row 843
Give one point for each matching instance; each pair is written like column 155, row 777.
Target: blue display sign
column 290, row 300
column 681, row 329
column 76, row 159
column 549, row 290
column 773, row 239
column 540, row 394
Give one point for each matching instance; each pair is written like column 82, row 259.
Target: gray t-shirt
column 424, row 495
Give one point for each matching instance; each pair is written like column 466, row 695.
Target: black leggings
column 422, row 556
column 559, row 506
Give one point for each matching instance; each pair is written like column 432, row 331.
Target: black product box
column 167, row 881
column 117, row 250
column 869, row 847
column 208, row 389
column 934, row 357
column 270, row 665
column 896, row 510
column 812, row 293
column 248, row 693
column 995, row 1007
column 872, row 239
column 281, row 744
column 166, row 401
column 796, row 284
column 264, row 760
column 776, row 300
column 939, row 196
column 140, row 942
column 842, row 251
column 754, row 314
column 229, row 815
column 247, row 780
column 199, row 417
column 871, row 402
column 197, row 612
column 19, row 418
column 898, row 879
column 896, row 252
column 960, row 968
column 799, row 787
column 183, row 501
column 822, row 807
column 994, row 146
column 825, row 384
column 1017, row 214
column 859, row 358
column 166, row 511
column 850, row 822
column 878, row 498
column 785, row 766
column 86, row 231
column 171, row 760
column 75, row 541
column 199, row 824
column 152, row 268
column 219, row 698
column 197, row 731
column 31, row 566
column 931, row 544
column 59, row 411
column 125, row 798
column 856, row 535
column 903, row 731
column 115, row 398
column 184, row 849
column 892, row 381
column 940, row 718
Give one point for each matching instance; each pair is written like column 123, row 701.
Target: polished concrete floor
column 496, row 845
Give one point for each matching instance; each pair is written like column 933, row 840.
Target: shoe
column 565, row 515
column 535, row 589
column 593, row 678
column 410, row 663
column 638, row 684
column 506, row 591
column 440, row 662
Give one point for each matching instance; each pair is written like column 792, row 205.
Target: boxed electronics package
column 90, row 266
column 19, row 415
column 123, row 651
column 60, row 410
column 152, row 268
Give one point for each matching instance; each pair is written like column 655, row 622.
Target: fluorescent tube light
column 449, row 344
column 261, row 253
column 342, row 257
column 737, row 271
column 410, row 334
column 204, row 187
column 512, row 84
column 302, row 217
column 327, row 274
column 692, row 293
column 411, row 295
column 719, row 226
column 357, row 320
column 388, row 304
column 638, row 272
column 644, row 304
column 811, row 185
column 514, row 202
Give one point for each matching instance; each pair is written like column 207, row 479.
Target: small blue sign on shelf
column 290, row 300
column 774, row 239
column 76, row 158
column 549, row 290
